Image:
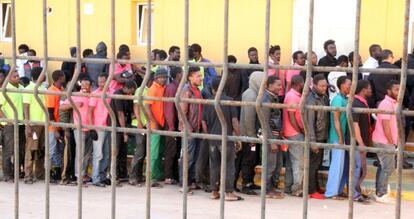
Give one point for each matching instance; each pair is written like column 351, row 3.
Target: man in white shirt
column 334, row 75
column 23, row 49
column 375, row 51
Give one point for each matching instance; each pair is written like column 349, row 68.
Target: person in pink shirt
column 98, row 115
column 122, row 72
column 298, row 60
column 385, row 135
column 274, row 59
column 293, row 130
column 82, row 104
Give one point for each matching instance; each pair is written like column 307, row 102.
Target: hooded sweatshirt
column 248, row 117
column 95, row 69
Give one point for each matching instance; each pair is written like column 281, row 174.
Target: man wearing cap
column 155, row 111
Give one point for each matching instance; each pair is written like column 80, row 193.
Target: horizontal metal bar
column 395, row 71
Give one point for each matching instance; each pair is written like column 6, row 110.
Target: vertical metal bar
column 398, row 111
column 148, row 127
column 303, row 113
column 45, row 110
column 148, row 143
column 223, row 166
column 261, row 116
column 104, row 96
column 349, row 117
column 181, row 114
column 79, row 148
column 15, row 114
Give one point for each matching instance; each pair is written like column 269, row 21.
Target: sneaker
column 317, row 195
column 385, row 199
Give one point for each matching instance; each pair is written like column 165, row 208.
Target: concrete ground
column 167, row 203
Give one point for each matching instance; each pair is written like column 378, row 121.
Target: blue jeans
column 296, row 158
column 357, row 174
column 87, row 151
column 338, row 173
column 193, row 149
column 98, row 157
column 384, row 170
column 56, row 150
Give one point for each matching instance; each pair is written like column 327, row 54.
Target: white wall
column 333, row 19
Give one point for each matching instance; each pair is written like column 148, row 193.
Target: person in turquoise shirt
column 338, row 170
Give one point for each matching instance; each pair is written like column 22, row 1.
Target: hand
column 274, row 148
column 125, row 138
column 252, row 144
column 139, row 125
column 157, row 127
column 57, row 135
column 238, row 146
column 28, row 131
column 341, row 141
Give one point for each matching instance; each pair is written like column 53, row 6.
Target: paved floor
column 167, row 203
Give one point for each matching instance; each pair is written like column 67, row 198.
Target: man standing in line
column 318, row 130
column 329, row 59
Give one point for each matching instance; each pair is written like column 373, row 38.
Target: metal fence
column 185, row 134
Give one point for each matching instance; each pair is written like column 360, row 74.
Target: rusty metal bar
column 69, row 90
column 15, row 114
column 398, row 111
column 217, row 106
column 261, row 116
column 303, row 112
column 181, row 114
column 112, row 114
column 350, row 119
column 149, row 129
column 219, row 65
column 45, row 110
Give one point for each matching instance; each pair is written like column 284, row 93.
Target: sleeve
column 289, row 100
column 27, row 98
column 51, row 100
column 288, row 75
column 356, row 116
column 383, row 106
column 151, row 93
column 119, row 106
column 64, row 102
column 233, row 111
column 250, row 120
column 310, row 115
column 205, row 113
column 169, row 108
column 2, row 100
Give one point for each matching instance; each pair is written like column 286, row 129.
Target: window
column 142, row 10
column 6, row 21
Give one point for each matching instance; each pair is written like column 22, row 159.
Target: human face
column 314, row 59
column 343, row 64
column 331, row 50
column 277, row 55
column 321, row 87
column 253, row 57
column 301, row 59
column 367, row 92
column 275, row 87
column 127, row 56
column 179, row 76
column 195, row 79
column 101, row 82
column 175, row 56
column 85, row 86
column 300, row 87
column 129, row 91
column 161, row 80
column 346, row 87
column 14, row 78
column 393, row 93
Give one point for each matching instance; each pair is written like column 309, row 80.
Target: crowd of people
column 204, row 156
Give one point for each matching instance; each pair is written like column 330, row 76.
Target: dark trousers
column 215, row 167
column 69, row 152
column 8, row 150
column 283, row 160
column 245, row 163
column 137, row 164
column 121, row 158
column 193, row 151
column 202, row 163
column 315, row 160
column 171, row 157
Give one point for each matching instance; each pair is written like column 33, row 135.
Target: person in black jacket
column 379, row 80
column 245, row 74
column 329, row 59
